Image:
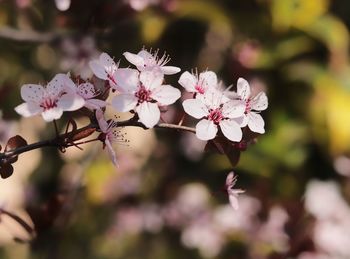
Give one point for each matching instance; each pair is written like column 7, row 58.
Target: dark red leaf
column 6, row 170
column 15, row 142
column 83, row 134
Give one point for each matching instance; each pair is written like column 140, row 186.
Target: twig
column 65, row 140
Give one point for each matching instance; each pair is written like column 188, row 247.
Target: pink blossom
column 88, row 92
column 109, row 135
column 63, row 5
column 105, row 68
column 217, row 110
column 198, row 84
column 254, row 104
column 231, row 180
column 146, row 61
column 144, row 93
column 58, row 96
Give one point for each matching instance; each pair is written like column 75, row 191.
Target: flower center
column 111, row 79
column 215, row 115
column 247, row 106
column 48, row 103
column 143, row 94
column 199, row 88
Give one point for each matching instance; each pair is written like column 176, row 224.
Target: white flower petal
column 102, row 123
column 111, row 152
column 124, row 102
column 32, row 93
column 209, row 79
column 233, row 198
column 98, row 69
column 63, row 5
column 108, row 63
column 151, row 79
column 166, row 94
column 243, row 88
column 52, row 114
column 206, row 130
column 60, row 83
column 233, row 109
column 188, row 81
column 231, row 130
column 134, row 59
column 170, row 70
column 230, row 180
column 95, row 104
column 213, row 98
column 127, row 79
column 149, row 114
column 256, row 123
column 243, row 121
column 70, row 102
column 145, row 55
column 86, row 90
column 195, row 108
column 259, row 102
column 28, row 109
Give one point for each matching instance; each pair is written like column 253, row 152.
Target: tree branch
column 65, row 140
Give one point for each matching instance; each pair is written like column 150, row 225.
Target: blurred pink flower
column 272, row 231
column 63, row 5
column 248, row 54
column 23, row 3
column 231, row 180
column 76, row 54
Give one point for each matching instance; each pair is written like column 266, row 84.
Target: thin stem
column 64, row 140
column 59, row 141
column 82, row 142
column 175, row 127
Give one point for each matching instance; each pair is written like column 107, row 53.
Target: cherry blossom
column 63, row 5
column 145, row 96
column 146, row 61
column 217, row 110
column 88, row 92
column 59, row 95
column 108, row 136
column 231, row 180
column 253, row 105
column 105, row 68
column 198, row 84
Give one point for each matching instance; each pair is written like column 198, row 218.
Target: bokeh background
column 165, row 200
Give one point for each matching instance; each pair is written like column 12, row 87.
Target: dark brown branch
column 59, row 141
column 65, row 140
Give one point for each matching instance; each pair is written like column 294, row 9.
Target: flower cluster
column 218, row 109
column 143, row 92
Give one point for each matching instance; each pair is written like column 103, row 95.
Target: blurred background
column 164, row 200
